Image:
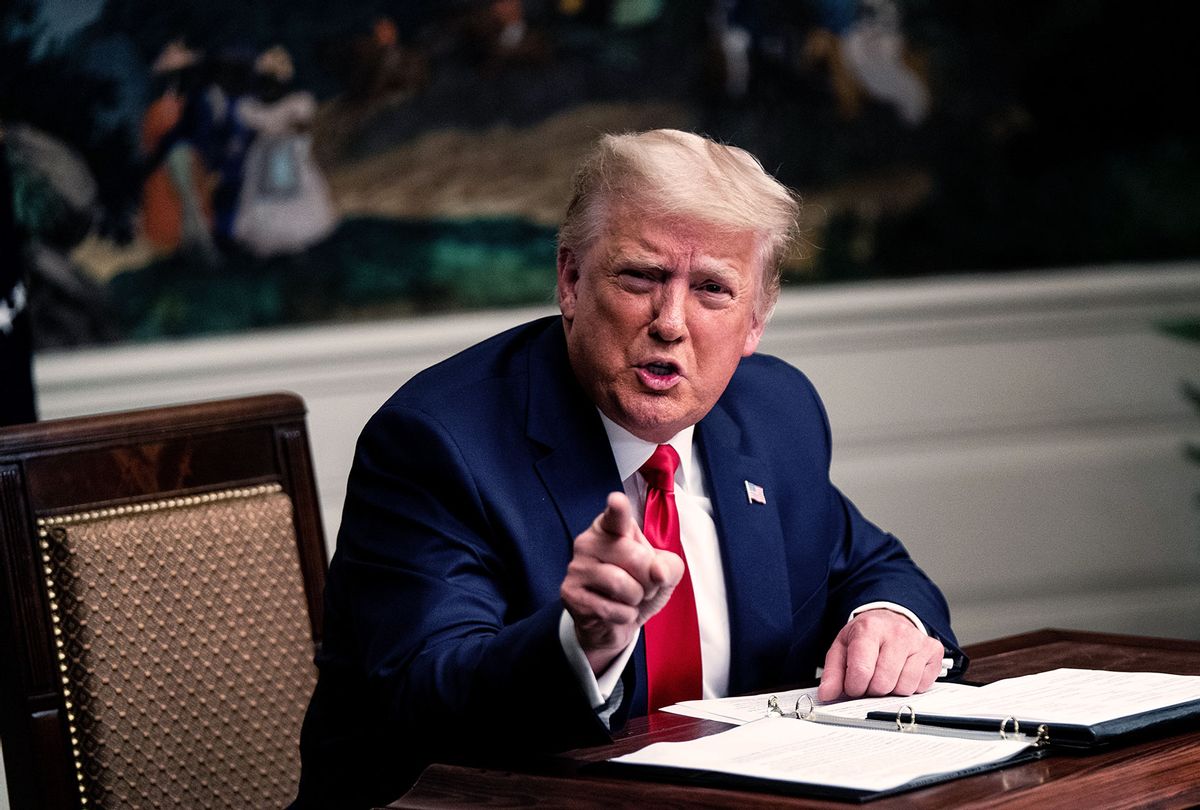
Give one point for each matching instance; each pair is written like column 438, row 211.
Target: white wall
column 1023, row 434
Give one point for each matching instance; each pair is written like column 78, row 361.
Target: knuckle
column 882, row 683
column 861, row 668
column 871, row 618
column 637, row 553
column 584, row 544
column 617, row 614
column 616, row 584
column 599, row 582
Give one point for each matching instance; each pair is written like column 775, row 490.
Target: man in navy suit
column 495, row 586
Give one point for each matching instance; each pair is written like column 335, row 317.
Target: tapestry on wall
column 185, row 167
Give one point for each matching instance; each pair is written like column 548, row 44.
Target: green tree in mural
column 48, row 87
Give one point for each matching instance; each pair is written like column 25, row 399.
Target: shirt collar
column 631, row 453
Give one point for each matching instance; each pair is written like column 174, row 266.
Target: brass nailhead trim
column 45, row 524
column 152, row 506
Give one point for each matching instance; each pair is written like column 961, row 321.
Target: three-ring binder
column 829, row 756
column 980, row 729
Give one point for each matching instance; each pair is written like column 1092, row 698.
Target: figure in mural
column 284, row 205
column 225, row 137
column 858, row 45
column 205, row 151
column 498, row 34
column 380, row 67
column 176, row 197
column 861, row 44
column 875, row 49
column 200, row 155
column 731, row 32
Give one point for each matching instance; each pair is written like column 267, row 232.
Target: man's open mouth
column 659, row 375
column 662, row 369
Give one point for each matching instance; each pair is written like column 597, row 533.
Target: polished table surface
column 1162, row 771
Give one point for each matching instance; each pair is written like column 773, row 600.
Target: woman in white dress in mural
column 285, row 205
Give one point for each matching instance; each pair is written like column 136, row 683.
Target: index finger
column 617, row 518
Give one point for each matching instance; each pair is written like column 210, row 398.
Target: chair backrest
column 160, row 605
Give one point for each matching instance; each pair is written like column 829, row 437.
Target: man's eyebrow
column 627, row 261
column 704, row 266
column 716, row 268
column 637, row 256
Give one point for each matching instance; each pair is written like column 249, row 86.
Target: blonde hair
column 666, row 172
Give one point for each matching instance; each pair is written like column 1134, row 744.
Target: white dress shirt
column 701, row 547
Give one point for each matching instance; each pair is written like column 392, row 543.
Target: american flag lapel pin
column 755, row 493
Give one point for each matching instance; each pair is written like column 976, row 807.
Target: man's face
column 658, row 312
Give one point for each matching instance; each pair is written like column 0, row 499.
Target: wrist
column 599, row 660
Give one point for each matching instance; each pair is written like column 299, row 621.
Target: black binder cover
column 1063, row 735
column 717, row 779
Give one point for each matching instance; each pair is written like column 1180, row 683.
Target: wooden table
column 1160, row 772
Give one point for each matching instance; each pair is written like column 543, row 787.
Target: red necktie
column 672, row 634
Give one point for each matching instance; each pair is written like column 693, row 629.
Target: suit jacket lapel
column 752, row 551
column 577, row 469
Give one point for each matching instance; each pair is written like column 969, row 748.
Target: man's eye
column 637, row 277
column 712, row 288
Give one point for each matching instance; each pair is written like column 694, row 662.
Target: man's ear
column 568, row 277
column 754, row 335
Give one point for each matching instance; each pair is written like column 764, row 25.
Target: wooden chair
column 161, row 575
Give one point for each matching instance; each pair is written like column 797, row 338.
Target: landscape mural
column 184, row 168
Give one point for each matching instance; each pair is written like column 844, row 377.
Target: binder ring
column 806, row 713
column 773, row 709
column 901, row 725
column 1016, row 727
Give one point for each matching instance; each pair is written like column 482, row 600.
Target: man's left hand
column 880, row 652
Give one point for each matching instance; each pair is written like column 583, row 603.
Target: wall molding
column 835, row 319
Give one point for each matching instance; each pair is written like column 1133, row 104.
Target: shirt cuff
column 947, row 663
column 599, row 690
column 892, row 606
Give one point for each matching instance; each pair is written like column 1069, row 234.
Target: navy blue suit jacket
column 468, row 488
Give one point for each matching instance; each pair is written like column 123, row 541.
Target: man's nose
column 670, row 317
